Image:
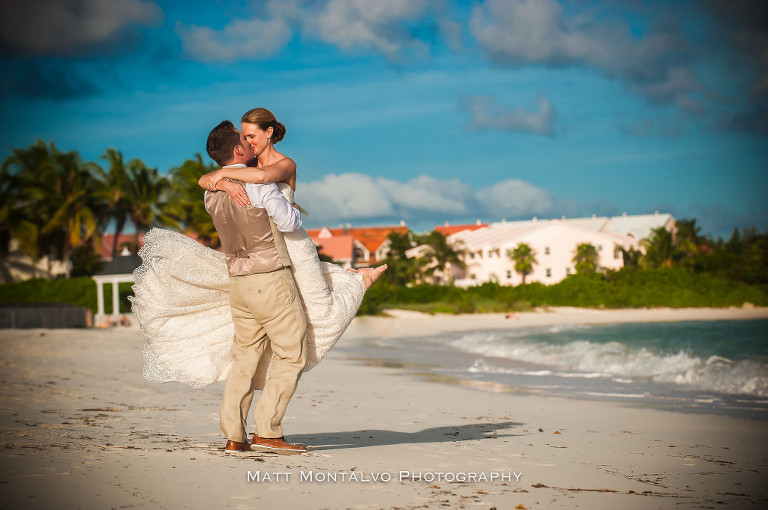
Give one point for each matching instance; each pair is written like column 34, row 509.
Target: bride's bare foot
column 371, row 274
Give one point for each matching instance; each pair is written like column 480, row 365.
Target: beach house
column 552, row 241
column 355, row 246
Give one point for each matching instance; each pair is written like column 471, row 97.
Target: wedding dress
column 181, row 301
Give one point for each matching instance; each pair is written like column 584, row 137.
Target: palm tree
column 630, row 257
column 688, row 242
column 659, row 249
column 585, row 258
column 524, row 258
column 186, row 204
column 29, row 201
column 114, row 183
column 8, row 205
column 148, row 193
column 10, row 199
column 441, row 255
column 73, row 214
column 401, row 269
column 51, row 206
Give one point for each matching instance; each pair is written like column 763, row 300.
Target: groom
column 266, row 309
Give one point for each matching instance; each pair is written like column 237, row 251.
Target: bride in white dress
column 181, row 294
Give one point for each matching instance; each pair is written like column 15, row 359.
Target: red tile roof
column 106, row 244
column 337, row 247
column 370, row 237
column 452, row 229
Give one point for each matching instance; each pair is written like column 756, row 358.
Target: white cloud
column 353, row 195
column 251, row 38
column 65, row 27
column 520, row 32
column 347, row 24
column 427, row 194
column 515, row 198
column 352, row 24
column 451, row 32
column 359, row 198
column 487, row 113
column 345, row 196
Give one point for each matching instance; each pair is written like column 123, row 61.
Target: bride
column 181, row 294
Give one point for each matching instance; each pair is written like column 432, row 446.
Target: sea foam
column 618, row 361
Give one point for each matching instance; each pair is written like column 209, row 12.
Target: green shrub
column 628, row 288
column 80, row 291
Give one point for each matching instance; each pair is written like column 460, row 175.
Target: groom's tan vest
column 249, row 237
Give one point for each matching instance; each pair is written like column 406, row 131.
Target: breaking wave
column 618, row 361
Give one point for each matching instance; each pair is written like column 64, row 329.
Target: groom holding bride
column 257, row 315
column 266, row 309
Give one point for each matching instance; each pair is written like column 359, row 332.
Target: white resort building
column 553, row 243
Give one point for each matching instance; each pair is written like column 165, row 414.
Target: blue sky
column 422, row 110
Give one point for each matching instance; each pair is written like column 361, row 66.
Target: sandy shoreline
column 82, row 429
column 418, row 324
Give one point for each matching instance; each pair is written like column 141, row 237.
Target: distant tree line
column 54, row 204
column 674, row 269
column 743, row 257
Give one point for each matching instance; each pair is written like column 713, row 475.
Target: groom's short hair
column 222, row 140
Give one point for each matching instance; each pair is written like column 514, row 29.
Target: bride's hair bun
column 265, row 120
column 278, row 132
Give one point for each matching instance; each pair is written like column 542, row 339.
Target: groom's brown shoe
column 237, row 446
column 277, row 445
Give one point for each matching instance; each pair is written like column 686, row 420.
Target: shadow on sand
column 375, row 437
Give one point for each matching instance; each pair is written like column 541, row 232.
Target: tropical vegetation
column 524, row 258
column 585, row 259
column 440, row 255
column 401, row 269
column 56, row 206
column 681, row 269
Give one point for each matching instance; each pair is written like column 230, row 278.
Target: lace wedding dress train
column 181, row 301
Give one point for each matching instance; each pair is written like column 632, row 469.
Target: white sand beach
column 81, row 428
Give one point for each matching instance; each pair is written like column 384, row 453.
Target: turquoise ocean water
column 696, row 366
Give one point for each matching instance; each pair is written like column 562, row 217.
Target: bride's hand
column 213, row 178
column 235, row 191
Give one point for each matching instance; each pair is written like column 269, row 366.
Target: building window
column 473, row 276
column 549, row 273
column 546, row 250
column 472, row 255
column 360, row 255
column 509, row 274
column 567, row 271
column 599, row 247
column 617, row 253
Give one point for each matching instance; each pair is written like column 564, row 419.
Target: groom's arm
column 286, row 217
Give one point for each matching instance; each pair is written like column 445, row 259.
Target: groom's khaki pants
column 267, row 312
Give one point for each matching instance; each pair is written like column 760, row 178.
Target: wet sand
column 82, row 429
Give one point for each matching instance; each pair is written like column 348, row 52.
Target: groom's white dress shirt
column 266, row 196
